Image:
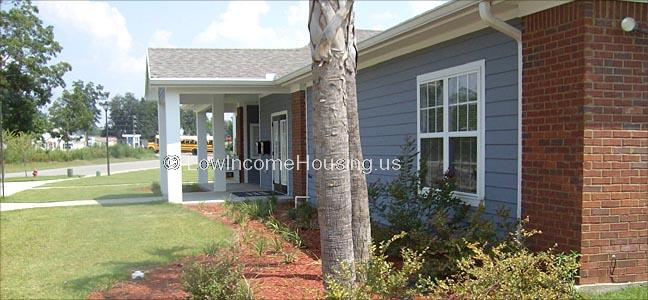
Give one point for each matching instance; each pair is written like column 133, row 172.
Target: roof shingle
column 229, row 63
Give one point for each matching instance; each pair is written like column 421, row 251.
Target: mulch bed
column 268, row 276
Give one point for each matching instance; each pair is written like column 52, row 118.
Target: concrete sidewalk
column 17, row 206
column 15, row 187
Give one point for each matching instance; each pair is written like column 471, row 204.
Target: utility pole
column 2, row 151
column 105, row 107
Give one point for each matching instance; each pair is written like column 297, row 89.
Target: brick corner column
column 298, row 107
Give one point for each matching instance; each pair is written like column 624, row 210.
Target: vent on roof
column 270, row 76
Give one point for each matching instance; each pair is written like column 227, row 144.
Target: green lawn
column 68, row 252
column 122, row 185
column 631, row 293
column 37, row 178
column 18, row 167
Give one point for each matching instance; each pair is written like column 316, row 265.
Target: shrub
column 20, row 147
column 506, row 271
column 384, row 280
column 304, row 215
column 219, row 280
column 510, row 271
column 434, row 218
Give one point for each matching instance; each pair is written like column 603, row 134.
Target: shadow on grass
column 115, row 271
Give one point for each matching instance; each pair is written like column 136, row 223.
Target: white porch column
column 218, row 123
column 171, row 143
column 201, row 132
column 162, row 150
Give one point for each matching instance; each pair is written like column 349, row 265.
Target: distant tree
column 229, row 128
column 76, row 110
column 147, row 122
column 26, row 76
column 123, row 108
column 188, row 121
column 128, row 115
column 20, row 147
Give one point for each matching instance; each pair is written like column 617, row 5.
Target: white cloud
column 103, row 23
column 240, row 26
column 160, row 39
column 99, row 19
column 421, row 6
column 298, row 14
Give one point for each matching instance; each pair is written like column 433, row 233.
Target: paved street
column 92, row 169
column 114, row 167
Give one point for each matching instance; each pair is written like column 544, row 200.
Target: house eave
column 461, row 17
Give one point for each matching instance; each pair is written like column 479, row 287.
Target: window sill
column 470, row 199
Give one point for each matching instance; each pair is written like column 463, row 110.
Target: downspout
column 487, row 16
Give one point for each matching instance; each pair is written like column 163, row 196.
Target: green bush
column 219, row 280
column 433, row 218
column 383, row 279
column 305, row 215
column 510, row 271
column 506, row 271
column 20, row 149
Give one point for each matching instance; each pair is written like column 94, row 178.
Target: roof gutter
column 487, row 17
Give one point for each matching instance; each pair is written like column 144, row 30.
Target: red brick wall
column 299, row 141
column 585, row 136
column 615, row 169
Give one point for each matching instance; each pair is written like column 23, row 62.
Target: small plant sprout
column 247, row 236
column 260, row 246
column 289, row 257
column 277, row 244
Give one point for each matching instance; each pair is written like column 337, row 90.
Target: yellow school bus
column 188, row 143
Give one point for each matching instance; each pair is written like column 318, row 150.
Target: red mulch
column 267, row 275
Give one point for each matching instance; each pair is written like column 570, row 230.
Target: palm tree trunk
column 359, row 198
column 327, row 25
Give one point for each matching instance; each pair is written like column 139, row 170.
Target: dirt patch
column 269, row 276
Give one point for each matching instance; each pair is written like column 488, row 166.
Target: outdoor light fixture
column 628, row 24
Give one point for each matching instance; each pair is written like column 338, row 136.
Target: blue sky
column 105, row 42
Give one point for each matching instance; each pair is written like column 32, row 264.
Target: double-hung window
column 450, row 127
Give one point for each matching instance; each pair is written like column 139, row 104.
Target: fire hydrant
column 35, row 173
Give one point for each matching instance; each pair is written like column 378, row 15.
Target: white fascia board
column 211, row 81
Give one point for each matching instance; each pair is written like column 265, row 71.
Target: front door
column 280, row 152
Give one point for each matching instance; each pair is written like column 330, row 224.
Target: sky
column 106, row 42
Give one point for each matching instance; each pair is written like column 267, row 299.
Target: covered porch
column 247, row 83
column 203, row 102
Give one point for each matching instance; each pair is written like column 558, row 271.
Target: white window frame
column 476, row 66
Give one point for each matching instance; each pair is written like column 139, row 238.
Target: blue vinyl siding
column 387, row 108
column 267, row 106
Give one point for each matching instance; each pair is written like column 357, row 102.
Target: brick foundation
column 585, row 136
column 298, row 116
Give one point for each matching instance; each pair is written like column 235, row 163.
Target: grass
column 37, row 178
column 122, row 185
column 70, row 251
column 18, row 167
column 631, row 293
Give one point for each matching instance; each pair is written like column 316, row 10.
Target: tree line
column 28, row 77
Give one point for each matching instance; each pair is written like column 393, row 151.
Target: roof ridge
column 205, row 48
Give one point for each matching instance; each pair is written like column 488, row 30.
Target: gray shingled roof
column 229, row 63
